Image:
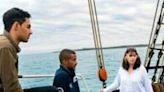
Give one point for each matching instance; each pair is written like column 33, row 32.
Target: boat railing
column 79, row 77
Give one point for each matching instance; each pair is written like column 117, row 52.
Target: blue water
column 47, row 63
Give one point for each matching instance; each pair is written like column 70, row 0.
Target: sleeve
column 114, row 85
column 147, row 81
column 8, row 72
column 61, row 80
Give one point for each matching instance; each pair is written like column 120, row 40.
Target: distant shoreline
column 113, row 47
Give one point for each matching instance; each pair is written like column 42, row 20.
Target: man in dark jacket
column 65, row 75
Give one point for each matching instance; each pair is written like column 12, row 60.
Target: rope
column 93, row 27
column 97, row 41
column 150, row 50
column 158, row 62
column 147, row 56
column 161, row 79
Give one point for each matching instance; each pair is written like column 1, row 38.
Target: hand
column 101, row 90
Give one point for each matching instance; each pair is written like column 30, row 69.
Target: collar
column 70, row 72
column 11, row 40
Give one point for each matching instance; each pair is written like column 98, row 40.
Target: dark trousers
column 42, row 89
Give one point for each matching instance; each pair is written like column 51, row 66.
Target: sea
column 48, row 63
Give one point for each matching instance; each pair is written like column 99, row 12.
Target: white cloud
column 66, row 23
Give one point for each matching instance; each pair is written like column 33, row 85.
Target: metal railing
column 79, row 77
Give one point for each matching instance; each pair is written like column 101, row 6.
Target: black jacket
column 66, row 79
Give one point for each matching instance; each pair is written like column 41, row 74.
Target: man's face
column 24, row 31
column 72, row 61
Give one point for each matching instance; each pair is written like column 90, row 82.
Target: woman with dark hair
column 132, row 76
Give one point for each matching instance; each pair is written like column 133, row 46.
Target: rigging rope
column 151, row 46
column 152, row 40
column 160, row 54
column 147, row 56
column 161, row 77
column 97, row 41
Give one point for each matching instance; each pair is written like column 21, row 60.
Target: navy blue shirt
column 66, row 79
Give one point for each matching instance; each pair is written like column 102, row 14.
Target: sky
column 58, row 24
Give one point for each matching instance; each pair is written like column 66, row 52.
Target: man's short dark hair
column 13, row 15
column 65, row 54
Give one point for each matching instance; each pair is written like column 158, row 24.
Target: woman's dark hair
column 12, row 15
column 125, row 63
